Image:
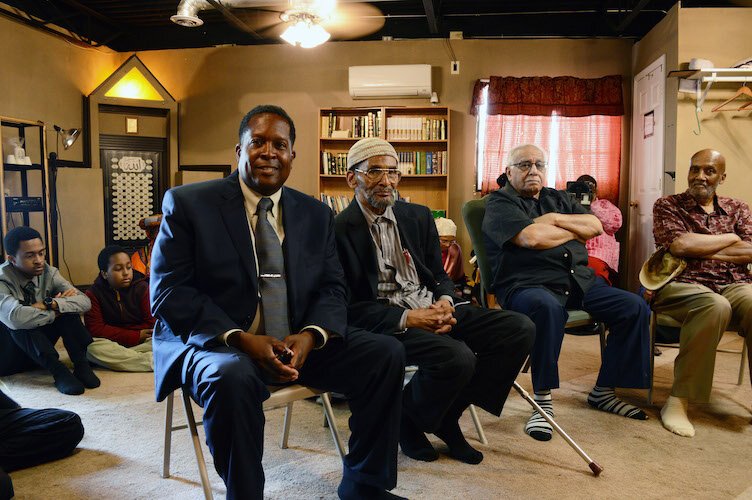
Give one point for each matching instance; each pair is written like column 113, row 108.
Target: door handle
column 634, row 204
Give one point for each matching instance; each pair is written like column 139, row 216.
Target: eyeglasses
column 524, row 166
column 375, row 174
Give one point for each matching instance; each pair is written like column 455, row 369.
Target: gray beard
column 372, row 200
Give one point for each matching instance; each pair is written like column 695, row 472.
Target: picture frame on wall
column 131, row 125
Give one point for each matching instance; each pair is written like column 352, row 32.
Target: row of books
column 416, row 128
column 422, row 162
column 336, row 203
column 343, row 127
column 333, row 163
column 340, row 202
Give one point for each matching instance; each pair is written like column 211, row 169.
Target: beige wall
column 724, row 38
column 216, row 86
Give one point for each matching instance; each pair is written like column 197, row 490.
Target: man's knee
column 719, row 306
column 232, row 381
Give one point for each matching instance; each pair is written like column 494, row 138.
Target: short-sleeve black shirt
column 559, row 268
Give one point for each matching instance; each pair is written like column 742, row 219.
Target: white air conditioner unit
column 399, row 80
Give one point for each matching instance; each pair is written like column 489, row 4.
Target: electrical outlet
column 455, row 67
column 455, row 35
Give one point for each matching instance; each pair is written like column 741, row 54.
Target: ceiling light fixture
column 304, row 29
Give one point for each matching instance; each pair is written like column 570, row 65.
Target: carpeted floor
column 120, row 456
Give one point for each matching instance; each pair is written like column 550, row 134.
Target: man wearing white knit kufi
column 397, row 286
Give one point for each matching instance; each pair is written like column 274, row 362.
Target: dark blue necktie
column 29, row 291
column 272, row 284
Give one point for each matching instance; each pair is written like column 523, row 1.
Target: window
column 575, row 146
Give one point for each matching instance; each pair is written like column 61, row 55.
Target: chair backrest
column 472, row 213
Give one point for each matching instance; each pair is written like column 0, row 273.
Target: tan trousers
column 105, row 352
column 704, row 316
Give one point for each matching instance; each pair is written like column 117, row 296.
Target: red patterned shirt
column 678, row 214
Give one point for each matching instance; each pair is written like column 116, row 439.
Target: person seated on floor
column 119, row 319
column 37, row 307
column 31, row 437
column 713, row 234
column 603, row 250
column 535, row 240
column 141, row 258
column 451, row 253
column 398, row 288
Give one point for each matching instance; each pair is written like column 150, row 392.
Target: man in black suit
column 398, row 287
column 245, row 271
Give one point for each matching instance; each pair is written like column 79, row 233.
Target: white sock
column 674, row 417
column 536, row 426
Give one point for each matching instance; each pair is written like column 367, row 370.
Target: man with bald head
column 535, row 240
column 714, row 235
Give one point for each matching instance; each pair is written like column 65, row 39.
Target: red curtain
column 575, row 145
column 577, row 121
column 544, row 95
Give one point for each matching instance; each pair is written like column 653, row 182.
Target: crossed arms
column 553, row 229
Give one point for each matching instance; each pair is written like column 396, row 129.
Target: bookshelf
column 420, row 135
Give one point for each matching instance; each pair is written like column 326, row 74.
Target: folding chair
column 472, row 213
column 667, row 321
column 281, row 396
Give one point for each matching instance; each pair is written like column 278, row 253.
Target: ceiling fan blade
column 354, row 20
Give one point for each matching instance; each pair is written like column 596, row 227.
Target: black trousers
column 476, row 363
column 32, row 437
column 367, row 368
column 22, row 350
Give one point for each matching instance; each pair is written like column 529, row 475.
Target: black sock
column 414, row 442
column 459, row 448
column 350, row 490
column 85, row 374
column 66, row 382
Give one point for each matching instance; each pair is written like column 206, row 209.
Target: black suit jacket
column 357, row 253
column 203, row 275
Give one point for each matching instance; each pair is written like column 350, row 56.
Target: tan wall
column 78, row 226
column 216, row 86
column 725, row 39
column 45, row 78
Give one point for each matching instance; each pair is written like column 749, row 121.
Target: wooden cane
column 597, row 469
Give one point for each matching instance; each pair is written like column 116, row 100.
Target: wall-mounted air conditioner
column 399, row 80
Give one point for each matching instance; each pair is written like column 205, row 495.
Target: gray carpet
column 120, row 456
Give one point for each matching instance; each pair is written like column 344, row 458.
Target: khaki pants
column 105, row 352
column 704, row 316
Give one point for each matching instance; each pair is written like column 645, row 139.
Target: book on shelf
column 336, row 203
column 415, row 128
column 357, row 127
column 422, row 162
column 333, row 163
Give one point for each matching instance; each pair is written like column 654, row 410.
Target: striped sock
column 536, row 426
column 604, row 398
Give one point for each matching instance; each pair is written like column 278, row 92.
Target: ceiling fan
column 307, row 23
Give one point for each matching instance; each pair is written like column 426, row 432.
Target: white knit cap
column 368, row 148
column 445, row 227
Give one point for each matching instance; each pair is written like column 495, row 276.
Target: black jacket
column 357, row 253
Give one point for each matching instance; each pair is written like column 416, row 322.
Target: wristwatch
column 48, row 303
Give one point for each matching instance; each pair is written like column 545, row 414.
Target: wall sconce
column 68, row 136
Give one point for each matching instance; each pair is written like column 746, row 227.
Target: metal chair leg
column 653, row 325
column 286, row 426
column 167, row 436
column 329, row 413
column 478, row 426
column 743, row 364
column 197, row 446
